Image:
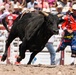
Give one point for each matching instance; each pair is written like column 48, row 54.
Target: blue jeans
column 52, row 52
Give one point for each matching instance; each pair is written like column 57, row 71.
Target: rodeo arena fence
column 62, row 58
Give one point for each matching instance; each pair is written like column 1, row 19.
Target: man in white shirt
column 31, row 4
column 51, row 49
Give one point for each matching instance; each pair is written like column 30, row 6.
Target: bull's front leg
column 4, row 56
column 32, row 56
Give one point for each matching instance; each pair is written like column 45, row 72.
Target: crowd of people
column 66, row 8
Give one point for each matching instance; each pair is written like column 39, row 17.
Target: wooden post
column 42, row 3
column 8, row 56
column 62, row 58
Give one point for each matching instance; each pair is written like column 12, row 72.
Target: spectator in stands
column 64, row 3
column 3, row 16
column 21, row 2
column 69, row 38
column 28, row 1
column 51, row 3
column 6, row 4
column 43, row 4
column 31, row 4
column 53, row 9
column 59, row 9
column 17, row 9
column 1, row 1
column 4, row 13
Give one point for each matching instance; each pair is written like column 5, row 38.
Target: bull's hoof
column 19, row 59
column 28, row 63
column 17, row 63
column 3, row 58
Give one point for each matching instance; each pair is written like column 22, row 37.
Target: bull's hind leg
column 21, row 53
column 32, row 56
column 22, row 50
column 11, row 37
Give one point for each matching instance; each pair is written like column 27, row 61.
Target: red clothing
column 45, row 5
column 70, row 23
column 11, row 18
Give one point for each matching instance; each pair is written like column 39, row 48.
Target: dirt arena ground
column 37, row 70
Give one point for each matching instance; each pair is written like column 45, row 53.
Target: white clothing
column 1, row 1
column 31, row 5
column 52, row 39
column 4, row 15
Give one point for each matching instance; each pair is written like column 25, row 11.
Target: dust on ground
column 6, row 69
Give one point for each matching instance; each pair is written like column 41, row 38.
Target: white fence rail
column 41, row 58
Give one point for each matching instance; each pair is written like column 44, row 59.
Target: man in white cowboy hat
column 59, row 9
column 74, row 9
column 17, row 9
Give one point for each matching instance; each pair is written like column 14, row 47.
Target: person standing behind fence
column 51, row 49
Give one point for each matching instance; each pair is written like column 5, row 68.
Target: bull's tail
column 5, row 24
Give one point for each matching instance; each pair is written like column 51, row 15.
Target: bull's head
column 51, row 21
column 54, row 20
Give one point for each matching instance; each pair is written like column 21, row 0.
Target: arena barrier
column 41, row 58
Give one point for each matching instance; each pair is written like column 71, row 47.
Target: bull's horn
column 60, row 15
column 44, row 13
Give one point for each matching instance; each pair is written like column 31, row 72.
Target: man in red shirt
column 69, row 37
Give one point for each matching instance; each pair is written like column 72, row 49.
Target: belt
column 69, row 37
column 67, row 41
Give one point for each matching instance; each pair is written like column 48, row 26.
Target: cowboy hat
column 2, row 7
column 16, row 6
column 74, row 6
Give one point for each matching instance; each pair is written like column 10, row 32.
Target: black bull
column 34, row 30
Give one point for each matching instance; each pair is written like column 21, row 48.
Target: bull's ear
column 43, row 13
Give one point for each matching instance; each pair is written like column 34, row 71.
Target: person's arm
column 23, row 3
column 47, row 5
column 64, row 25
column 4, row 15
